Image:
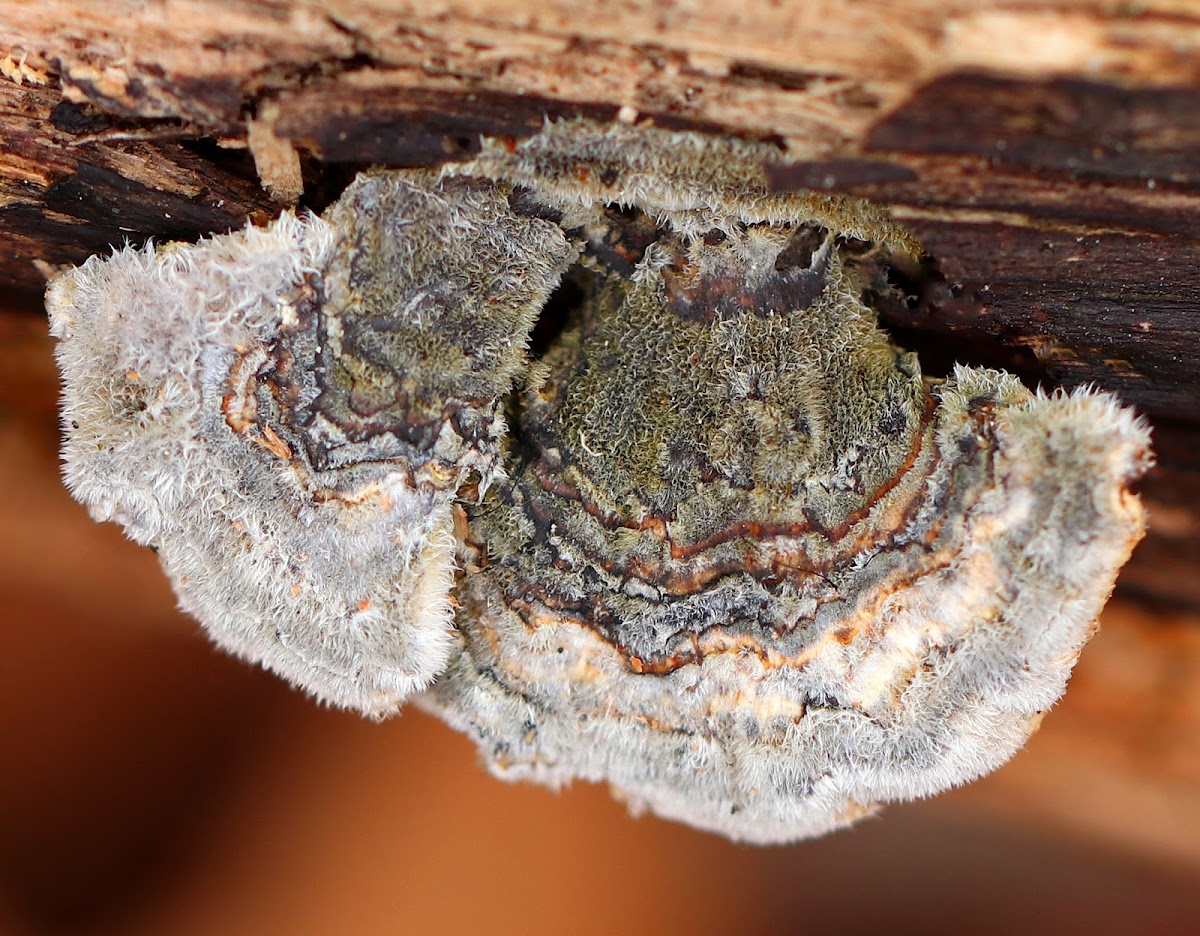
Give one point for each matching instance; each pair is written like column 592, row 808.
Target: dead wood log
column 1048, row 155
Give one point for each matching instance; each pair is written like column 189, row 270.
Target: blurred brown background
column 151, row 784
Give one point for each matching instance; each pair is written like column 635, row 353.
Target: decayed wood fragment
column 1047, row 156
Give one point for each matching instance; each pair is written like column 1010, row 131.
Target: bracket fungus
column 720, row 544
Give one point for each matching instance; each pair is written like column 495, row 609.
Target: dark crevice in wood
column 1095, row 131
column 557, row 315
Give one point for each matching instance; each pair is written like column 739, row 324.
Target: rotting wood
column 1048, row 154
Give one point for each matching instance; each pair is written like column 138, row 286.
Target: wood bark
column 1047, row 154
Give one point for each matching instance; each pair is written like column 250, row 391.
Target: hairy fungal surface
column 722, row 546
